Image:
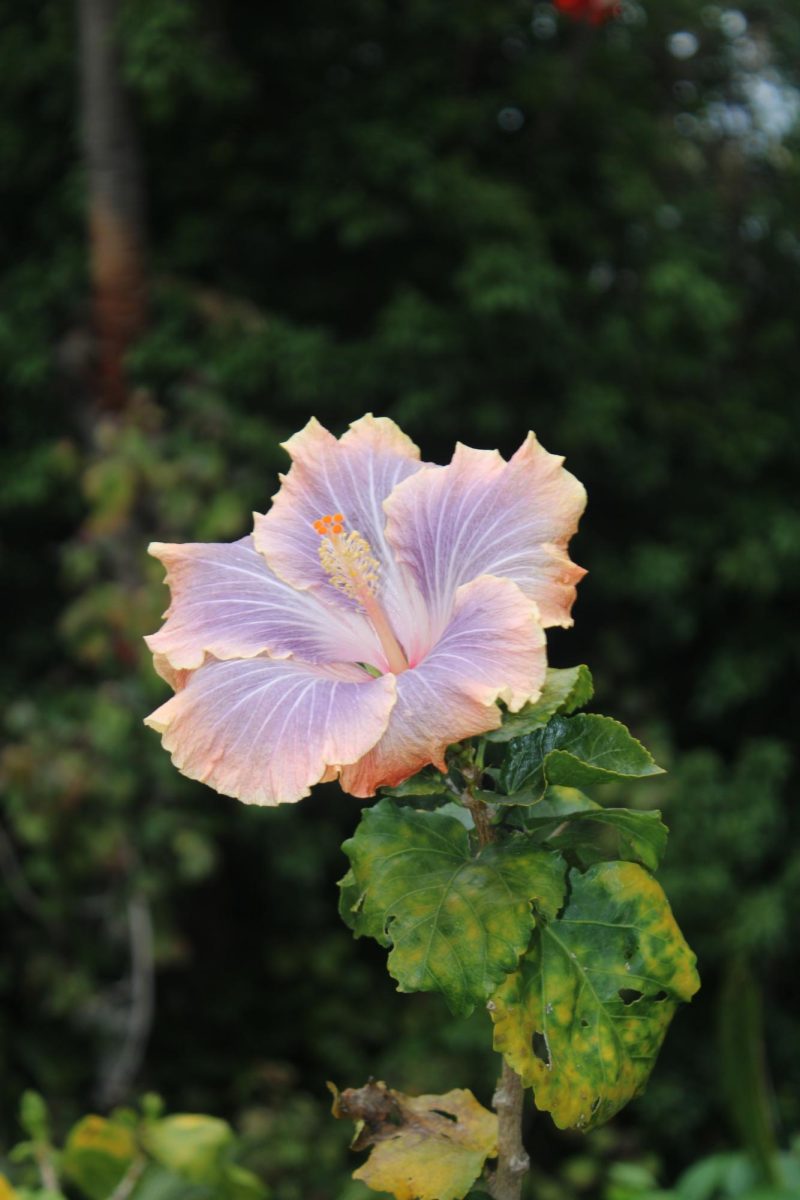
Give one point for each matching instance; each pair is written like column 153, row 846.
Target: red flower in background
column 595, row 12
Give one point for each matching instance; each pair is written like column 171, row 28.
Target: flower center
column 353, row 569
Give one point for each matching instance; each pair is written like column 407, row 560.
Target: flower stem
column 479, row 809
column 480, row 815
column 513, row 1164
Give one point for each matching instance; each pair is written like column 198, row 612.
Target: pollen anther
column 347, row 559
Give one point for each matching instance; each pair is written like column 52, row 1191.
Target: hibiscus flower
column 377, row 614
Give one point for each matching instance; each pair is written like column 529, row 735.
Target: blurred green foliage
column 130, row 1153
column 476, row 219
column 141, row 1153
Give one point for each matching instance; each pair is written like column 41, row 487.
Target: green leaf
column 237, row 1183
column 350, row 901
column 584, row 1017
column 457, row 924
column 457, row 812
column 33, row 1116
column 641, row 836
column 156, row 1183
column 745, row 1081
column 565, row 690
column 574, row 752
column 189, row 1144
column 425, row 783
column 725, row 1174
column 22, row 1152
column 97, row 1155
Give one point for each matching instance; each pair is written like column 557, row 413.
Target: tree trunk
column 115, row 196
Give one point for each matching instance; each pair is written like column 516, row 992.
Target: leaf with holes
column 570, row 821
column 457, row 922
column 574, row 752
column 565, row 690
column 423, row 1147
column 584, row 1017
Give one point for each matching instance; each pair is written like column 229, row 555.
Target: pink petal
column 266, row 730
column 352, row 476
column 481, row 515
column 227, row 603
column 493, row 648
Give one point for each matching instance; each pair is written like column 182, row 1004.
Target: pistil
column 352, row 568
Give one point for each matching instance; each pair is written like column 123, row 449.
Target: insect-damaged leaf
column 457, row 924
column 584, row 1017
column 565, row 690
column 631, row 833
column 423, row 1147
column 574, row 752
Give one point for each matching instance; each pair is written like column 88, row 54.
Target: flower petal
column 266, row 730
column 227, row 603
column 352, row 476
column 493, row 648
column 482, row 515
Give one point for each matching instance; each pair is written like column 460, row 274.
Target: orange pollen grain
column 329, row 525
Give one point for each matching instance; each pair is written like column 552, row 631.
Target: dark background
column 475, row 218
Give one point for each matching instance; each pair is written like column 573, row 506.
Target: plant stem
column 47, row 1171
column 479, row 809
column 513, row 1163
column 480, row 815
column 129, row 1179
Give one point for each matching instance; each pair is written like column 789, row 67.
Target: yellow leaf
column 96, row 1133
column 7, row 1192
column 424, row 1147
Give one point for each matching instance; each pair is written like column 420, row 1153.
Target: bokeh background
column 475, row 218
